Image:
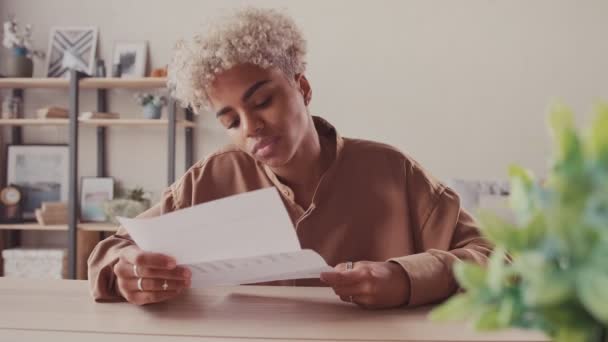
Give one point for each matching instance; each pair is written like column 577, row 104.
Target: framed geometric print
column 71, row 48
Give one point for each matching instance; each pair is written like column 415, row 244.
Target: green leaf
column 597, row 142
column 521, row 199
column 593, row 292
column 470, row 276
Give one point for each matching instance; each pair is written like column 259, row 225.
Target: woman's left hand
column 372, row 285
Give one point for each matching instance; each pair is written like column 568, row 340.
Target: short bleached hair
column 263, row 37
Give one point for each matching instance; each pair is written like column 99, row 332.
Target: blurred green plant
column 557, row 278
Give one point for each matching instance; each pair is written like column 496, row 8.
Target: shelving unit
column 79, row 243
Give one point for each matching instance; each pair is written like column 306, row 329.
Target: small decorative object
column 94, row 192
column 116, row 71
column 41, row 172
column 71, row 48
column 11, row 199
column 52, row 213
column 101, row 68
column 19, row 61
column 558, row 278
column 11, row 107
column 132, row 58
column 152, row 104
column 98, row 115
column 134, row 203
column 159, row 72
column 52, row 113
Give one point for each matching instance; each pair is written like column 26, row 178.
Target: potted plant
column 19, row 61
column 131, row 204
column 557, row 277
column 152, row 104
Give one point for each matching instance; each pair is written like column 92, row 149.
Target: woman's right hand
column 160, row 278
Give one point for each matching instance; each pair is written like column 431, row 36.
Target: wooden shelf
column 97, row 227
column 86, row 83
column 94, row 122
column 32, row 226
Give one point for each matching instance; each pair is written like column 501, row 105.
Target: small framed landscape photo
column 94, row 192
column 41, row 172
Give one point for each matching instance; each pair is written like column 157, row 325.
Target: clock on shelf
column 10, row 204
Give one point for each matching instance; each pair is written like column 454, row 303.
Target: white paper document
column 246, row 238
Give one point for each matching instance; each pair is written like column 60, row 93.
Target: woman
column 390, row 229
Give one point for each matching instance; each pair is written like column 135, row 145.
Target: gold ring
column 139, row 284
column 165, row 285
column 349, row 265
column 135, row 271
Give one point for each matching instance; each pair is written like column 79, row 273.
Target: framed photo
column 132, row 57
column 40, row 172
column 71, row 48
column 94, row 192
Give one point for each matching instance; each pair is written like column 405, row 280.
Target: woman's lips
column 265, row 147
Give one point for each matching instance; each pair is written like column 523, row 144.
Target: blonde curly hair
column 263, row 37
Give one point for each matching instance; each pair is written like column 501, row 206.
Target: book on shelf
column 99, row 115
column 52, row 113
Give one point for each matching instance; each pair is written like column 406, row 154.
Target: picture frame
column 94, row 192
column 40, row 172
column 132, row 58
column 71, row 48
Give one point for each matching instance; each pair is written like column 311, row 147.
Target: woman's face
column 263, row 111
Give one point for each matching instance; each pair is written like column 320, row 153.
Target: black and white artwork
column 71, row 48
column 41, row 172
column 132, row 57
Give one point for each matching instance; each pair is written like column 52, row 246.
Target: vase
column 18, row 64
column 124, row 208
column 151, row 111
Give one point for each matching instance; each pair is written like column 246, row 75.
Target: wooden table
column 48, row 310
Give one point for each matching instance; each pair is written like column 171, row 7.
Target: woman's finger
column 134, row 255
column 149, row 297
column 362, row 288
column 154, row 285
column 125, row 270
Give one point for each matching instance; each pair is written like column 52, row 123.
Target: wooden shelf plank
column 123, row 83
column 86, row 83
column 33, row 226
column 34, row 122
column 134, row 122
column 94, row 122
column 97, row 227
column 34, row 83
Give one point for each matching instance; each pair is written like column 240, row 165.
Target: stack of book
column 52, row 113
column 52, row 213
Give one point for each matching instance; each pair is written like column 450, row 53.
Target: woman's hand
column 160, row 278
column 372, row 285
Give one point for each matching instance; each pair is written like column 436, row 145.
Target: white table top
column 64, row 310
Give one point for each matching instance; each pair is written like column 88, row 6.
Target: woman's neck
column 308, row 164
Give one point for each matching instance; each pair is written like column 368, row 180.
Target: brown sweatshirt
column 373, row 203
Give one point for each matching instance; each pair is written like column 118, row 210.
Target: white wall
column 461, row 85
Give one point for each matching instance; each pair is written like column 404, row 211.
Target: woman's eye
column 233, row 124
column 264, row 103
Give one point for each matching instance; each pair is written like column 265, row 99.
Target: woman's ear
column 304, row 87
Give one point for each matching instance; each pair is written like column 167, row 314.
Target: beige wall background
column 463, row 86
